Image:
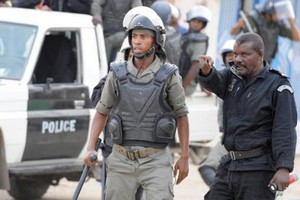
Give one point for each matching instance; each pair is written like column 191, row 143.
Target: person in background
column 175, row 17
column 110, row 14
column 148, row 3
column 73, row 6
column 260, row 120
column 5, row 3
column 47, row 5
column 173, row 38
column 77, row 6
column 208, row 167
column 264, row 20
column 193, row 44
column 141, row 105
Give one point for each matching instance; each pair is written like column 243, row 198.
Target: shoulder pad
column 285, row 87
column 278, row 72
column 165, row 71
column 119, row 69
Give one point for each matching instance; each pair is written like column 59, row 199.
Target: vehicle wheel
column 24, row 189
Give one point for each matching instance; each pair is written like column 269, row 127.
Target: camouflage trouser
column 153, row 173
column 4, row 178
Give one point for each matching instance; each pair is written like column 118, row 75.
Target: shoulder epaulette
column 278, row 72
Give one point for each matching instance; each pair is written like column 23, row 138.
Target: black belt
column 237, row 155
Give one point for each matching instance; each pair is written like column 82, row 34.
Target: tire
column 24, row 189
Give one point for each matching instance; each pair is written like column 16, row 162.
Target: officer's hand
column 241, row 23
column 205, row 64
column 97, row 19
column 88, row 159
column 282, row 179
column 182, row 165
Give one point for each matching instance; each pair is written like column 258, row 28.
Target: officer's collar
column 153, row 67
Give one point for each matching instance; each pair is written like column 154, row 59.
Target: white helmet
column 174, row 11
column 227, row 48
column 125, row 45
column 140, row 10
column 153, row 22
column 199, row 12
column 152, row 16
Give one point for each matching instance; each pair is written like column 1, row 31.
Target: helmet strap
column 144, row 55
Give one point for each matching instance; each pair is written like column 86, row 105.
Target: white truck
column 49, row 64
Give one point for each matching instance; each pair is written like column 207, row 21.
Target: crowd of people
column 142, row 99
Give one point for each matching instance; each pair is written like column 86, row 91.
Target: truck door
column 58, row 105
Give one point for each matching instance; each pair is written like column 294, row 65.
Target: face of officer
column 196, row 25
column 271, row 17
column 142, row 41
column 248, row 60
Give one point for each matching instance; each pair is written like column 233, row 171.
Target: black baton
column 86, row 171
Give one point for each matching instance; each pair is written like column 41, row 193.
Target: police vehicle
column 49, row 65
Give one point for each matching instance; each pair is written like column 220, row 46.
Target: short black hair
column 253, row 38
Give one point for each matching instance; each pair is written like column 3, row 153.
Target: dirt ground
column 192, row 188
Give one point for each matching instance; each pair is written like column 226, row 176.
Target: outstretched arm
column 206, row 64
column 237, row 27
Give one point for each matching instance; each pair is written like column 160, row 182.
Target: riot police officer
column 193, row 43
column 173, row 37
column 264, row 21
column 141, row 105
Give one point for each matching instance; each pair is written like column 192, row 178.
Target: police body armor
column 268, row 31
column 172, row 45
column 113, row 13
column 185, row 58
column 140, row 113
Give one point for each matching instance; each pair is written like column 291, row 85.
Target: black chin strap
column 144, row 55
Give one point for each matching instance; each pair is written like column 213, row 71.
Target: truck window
column 57, row 59
column 15, row 44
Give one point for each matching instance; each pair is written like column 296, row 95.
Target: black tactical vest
column 140, row 113
column 185, row 58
